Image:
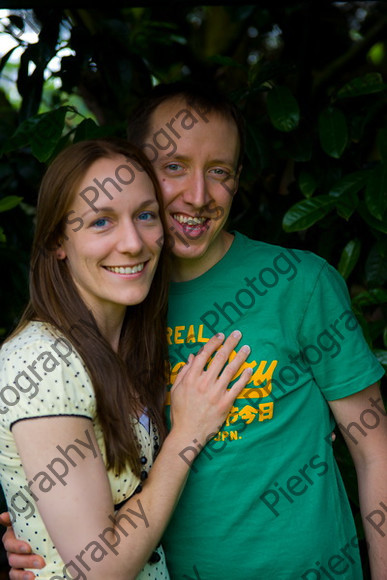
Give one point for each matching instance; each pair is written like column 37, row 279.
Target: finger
column 21, row 575
column 232, row 369
column 13, row 545
column 5, row 519
column 182, row 372
column 201, row 358
column 223, row 354
column 19, row 561
column 239, row 385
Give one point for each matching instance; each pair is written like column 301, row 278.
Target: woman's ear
column 60, row 252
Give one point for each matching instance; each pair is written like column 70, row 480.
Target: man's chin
column 189, row 250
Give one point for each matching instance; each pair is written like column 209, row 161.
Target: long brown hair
column 137, row 372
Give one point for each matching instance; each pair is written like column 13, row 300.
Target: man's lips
column 185, row 219
column 192, row 226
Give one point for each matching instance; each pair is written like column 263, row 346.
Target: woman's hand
column 200, row 397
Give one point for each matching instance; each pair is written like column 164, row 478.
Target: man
column 264, row 498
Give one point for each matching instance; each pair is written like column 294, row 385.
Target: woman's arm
column 200, row 403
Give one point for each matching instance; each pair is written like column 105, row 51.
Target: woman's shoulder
column 35, row 338
column 42, row 373
column 33, row 332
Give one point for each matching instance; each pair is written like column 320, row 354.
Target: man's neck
column 185, row 269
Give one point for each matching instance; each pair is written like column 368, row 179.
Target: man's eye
column 219, row 171
column 173, row 166
column 146, row 216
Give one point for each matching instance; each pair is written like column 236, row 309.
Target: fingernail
column 37, row 564
column 246, row 348
column 24, row 550
column 220, row 335
column 237, row 334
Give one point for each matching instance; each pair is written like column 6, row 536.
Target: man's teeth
column 191, row 221
column 125, row 269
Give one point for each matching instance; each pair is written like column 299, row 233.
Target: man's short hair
column 205, row 97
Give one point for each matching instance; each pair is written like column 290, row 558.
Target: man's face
column 195, row 156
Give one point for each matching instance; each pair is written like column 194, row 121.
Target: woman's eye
column 100, row 223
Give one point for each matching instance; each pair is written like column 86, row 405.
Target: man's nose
column 197, row 193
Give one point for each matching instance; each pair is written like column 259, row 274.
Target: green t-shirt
column 264, row 499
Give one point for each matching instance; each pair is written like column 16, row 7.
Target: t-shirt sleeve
column 332, row 341
column 43, row 376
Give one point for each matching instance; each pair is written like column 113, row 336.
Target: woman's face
column 112, row 237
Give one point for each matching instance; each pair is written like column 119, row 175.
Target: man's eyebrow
column 173, row 158
column 222, row 162
column 165, row 157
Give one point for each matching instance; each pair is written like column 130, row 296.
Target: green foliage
column 309, row 78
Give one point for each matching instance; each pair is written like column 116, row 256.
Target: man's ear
column 237, row 175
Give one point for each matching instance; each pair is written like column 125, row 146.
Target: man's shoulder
column 266, row 251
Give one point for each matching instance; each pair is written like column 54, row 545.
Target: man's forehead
column 174, row 119
column 177, row 109
column 169, row 107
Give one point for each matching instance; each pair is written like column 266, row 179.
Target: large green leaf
column 88, row 129
column 376, row 191
column 351, row 183
column 345, row 190
column 365, row 85
column 371, row 297
column 379, row 225
column 347, row 204
column 307, row 183
column 47, row 133
column 349, row 257
column 333, row 132
column 42, row 132
column 283, row 109
column 376, row 264
column 21, row 137
column 226, row 61
column 9, row 202
column 305, row 213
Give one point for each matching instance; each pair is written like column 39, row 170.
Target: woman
column 87, row 363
